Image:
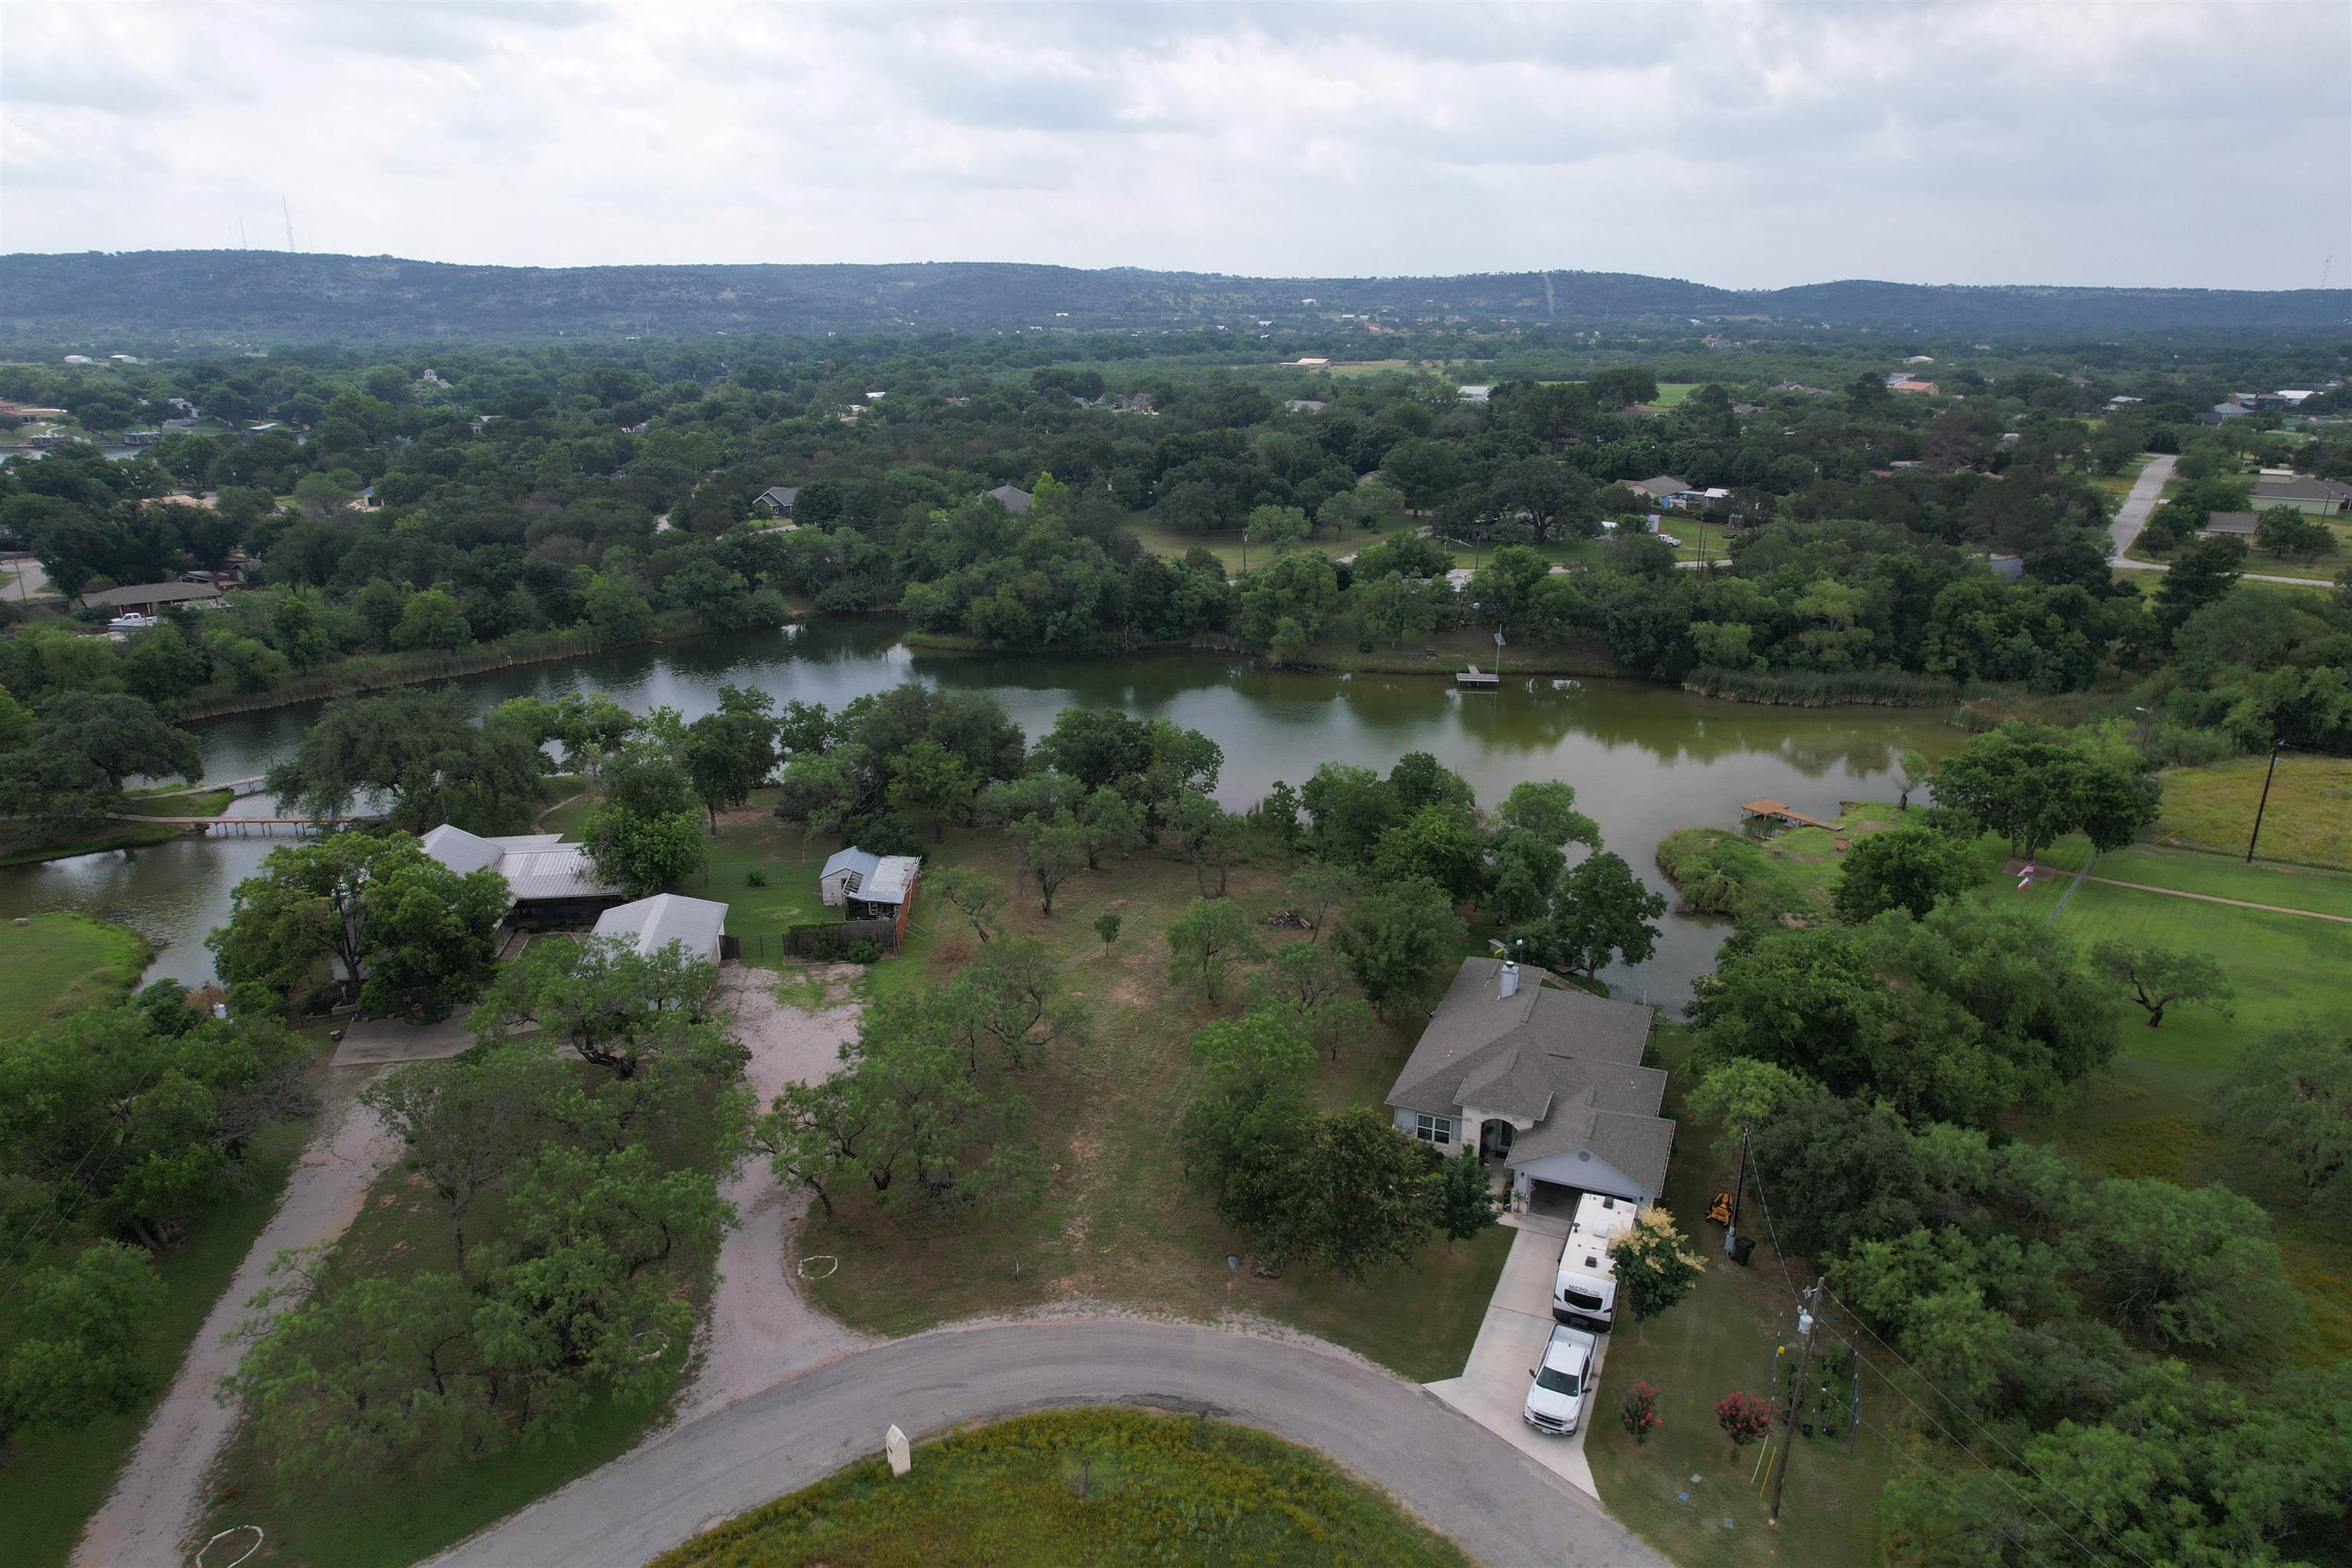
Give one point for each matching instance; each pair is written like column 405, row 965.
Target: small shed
column 860, row 881
column 1016, row 499
column 651, row 924
column 146, row 598
column 2233, row 524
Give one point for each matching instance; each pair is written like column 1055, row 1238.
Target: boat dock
column 1477, row 679
column 1782, row 812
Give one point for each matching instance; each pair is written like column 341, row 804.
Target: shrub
column 1743, row 1418
column 1639, row 1412
column 755, row 878
column 865, row 950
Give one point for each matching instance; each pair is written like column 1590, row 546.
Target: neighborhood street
column 2132, row 515
column 1500, row 1506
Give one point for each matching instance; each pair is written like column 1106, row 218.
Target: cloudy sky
column 1738, row 144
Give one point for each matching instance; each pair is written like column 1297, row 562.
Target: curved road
column 1499, row 1505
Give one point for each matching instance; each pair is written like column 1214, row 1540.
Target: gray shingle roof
column 152, row 593
column 2232, row 523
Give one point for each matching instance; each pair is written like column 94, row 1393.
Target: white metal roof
column 654, row 923
column 535, row 865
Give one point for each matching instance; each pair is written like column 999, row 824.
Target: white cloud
column 1744, row 144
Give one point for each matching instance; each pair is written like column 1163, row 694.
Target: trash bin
column 1740, row 1249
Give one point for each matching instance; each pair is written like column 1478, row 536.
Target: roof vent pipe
column 1510, row 981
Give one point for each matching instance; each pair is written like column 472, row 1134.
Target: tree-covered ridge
column 197, row 296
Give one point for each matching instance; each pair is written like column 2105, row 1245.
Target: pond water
column 1644, row 759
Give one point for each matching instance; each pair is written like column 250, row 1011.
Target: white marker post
column 894, row 1443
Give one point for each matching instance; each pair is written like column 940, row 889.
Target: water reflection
column 1644, row 759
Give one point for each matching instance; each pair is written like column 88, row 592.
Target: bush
column 865, row 950
column 1639, row 1412
column 1819, row 689
column 755, row 878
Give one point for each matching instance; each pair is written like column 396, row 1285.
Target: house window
column 1437, row 1130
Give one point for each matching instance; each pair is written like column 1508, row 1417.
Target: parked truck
column 1585, row 1293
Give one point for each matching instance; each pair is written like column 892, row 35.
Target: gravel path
column 1502, row 1507
column 2132, row 516
column 762, row 1326
column 158, row 1497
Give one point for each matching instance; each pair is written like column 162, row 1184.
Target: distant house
column 367, row 499
column 2233, row 409
column 1920, row 359
column 2007, row 568
column 1911, row 383
column 1546, row 1081
column 552, row 885
column 1475, row 394
column 2230, row 524
column 79, row 359
column 1801, row 389
column 1313, row 363
column 1305, row 405
column 146, row 598
column 1015, row 498
column 651, row 924
column 859, row 883
column 776, row 501
column 2317, row 496
column 1658, row 486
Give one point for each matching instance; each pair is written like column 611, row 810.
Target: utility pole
column 1808, row 1324
column 2264, row 804
column 1738, row 1191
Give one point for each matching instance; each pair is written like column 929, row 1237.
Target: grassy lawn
column 52, row 965
column 179, row 803
column 1157, row 1489
column 54, row 1481
column 2308, row 821
column 1725, row 1336
column 1117, row 1223
column 390, row 1523
column 2148, row 1115
column 1795, row 872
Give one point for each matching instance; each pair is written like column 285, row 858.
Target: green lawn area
column 1117, row 1223
column 390, row 1523
column 20, row 849
column 1795, row 871
column 1725, row 1336
column 1157, row 1489
column 2307, row 822
column 54, row 1481
column 54, row 964
column 2149, row 1114
column 1673, row 393
column 178, row 803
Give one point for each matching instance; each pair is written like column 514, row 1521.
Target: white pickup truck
column 1585, row 1293
column 1556, row 1399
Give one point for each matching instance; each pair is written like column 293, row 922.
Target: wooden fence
column 805, row 940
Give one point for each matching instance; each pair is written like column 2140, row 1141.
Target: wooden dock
column 1478, row 680
column 1782, row 812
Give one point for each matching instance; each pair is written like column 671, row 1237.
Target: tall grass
column 1822, row 689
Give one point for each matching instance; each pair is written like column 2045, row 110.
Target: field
column 178, row 803
column 54, row 1481
column 1118, row 1223
column 54, row 964
column 1156, row 1488
column 2308, row 821
column 1684, row 1492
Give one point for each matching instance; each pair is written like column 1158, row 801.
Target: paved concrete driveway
column 1502, row 1507
column 1493, row 1385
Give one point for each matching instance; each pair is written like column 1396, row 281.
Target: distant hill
column 193, row 297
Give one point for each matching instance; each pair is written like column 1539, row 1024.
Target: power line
column 1941, row 1428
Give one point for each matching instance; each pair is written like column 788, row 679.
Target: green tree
column 1357, row 1198
column 78, row 1334
column 80, row 749
column 2283, row 531
column 2191, row 1269
column 727, row 755
column 642, row 854
column 1110, row 825
column 1052, row 852
column 1600, row 911
column 2205, row 572
column 1308, row 984
column 422, row 751
column 978, row 896
column 1281, row 527
column 1399, row 942
column 1904, row 867
column 295, row 631
column 2035, row 784
column 2289, row 1095
column 1107, row 927
column 162, row 667
column 1439, row 843
column 1205, row 943
column 466, row 1123
column 2158, row 977
column 1315, row 888
column 1247, row 1117
column 1463, row 1202
column 1655, row 1266
column 1208, row 833
column 432, row 620
column 433, row 934
column 599, row 997
column 1912, row 771
column 1547, row 809
column 929, row 780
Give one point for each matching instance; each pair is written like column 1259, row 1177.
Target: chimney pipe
column 1511, row 979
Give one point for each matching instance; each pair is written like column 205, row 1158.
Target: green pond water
column 1644, row 759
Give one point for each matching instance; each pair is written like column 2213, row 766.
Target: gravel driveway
column 157, row 1498
column 762, row 1326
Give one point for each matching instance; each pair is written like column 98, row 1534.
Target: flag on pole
column 2025, row 878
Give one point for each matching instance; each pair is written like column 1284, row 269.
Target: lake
column 1644, row 759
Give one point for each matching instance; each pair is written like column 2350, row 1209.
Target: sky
column 1743, row 145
